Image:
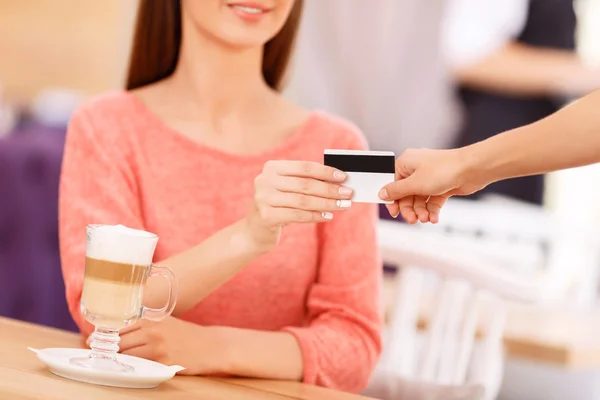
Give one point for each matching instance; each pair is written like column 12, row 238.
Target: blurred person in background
column 381, row 65
column 515, row 63
column 268, row 286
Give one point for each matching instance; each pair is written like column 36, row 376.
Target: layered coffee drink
column 118, row 262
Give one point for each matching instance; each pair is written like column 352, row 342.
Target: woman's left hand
column 174, row 342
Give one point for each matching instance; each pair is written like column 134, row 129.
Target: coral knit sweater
column 123, row 165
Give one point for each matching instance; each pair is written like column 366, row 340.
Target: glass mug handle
column 158, row 314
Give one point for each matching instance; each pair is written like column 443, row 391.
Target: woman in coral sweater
column 278, row 272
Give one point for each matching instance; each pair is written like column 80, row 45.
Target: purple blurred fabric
column 31, row 284
column 385, row 215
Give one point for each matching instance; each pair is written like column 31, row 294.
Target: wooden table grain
column 24, row 376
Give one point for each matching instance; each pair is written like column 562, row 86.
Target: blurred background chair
column 32, row 288
column 511, row 254
column 551, row 342
column 448, row 312
column 531, row 241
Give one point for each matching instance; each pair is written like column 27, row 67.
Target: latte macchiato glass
column 118, row 263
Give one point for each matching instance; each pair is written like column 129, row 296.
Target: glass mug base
column 101, row 363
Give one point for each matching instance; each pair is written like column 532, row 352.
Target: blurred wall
column 589, row 30
column 78, row 44
column 576, row 190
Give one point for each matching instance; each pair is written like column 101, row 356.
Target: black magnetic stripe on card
column 361, row 163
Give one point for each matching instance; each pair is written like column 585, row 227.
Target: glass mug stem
column 105, row 343
column 103, row 356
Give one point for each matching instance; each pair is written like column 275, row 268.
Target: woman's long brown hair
column 157, row 39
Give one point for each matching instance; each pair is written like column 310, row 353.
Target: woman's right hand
column 294, row 191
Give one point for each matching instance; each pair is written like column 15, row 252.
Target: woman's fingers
column 132, row 340
column 307, row 203
column 312, row 187
column 283, row 216
column 305, row 169
column 300, row 191
column 142, row 351
column 133, row 327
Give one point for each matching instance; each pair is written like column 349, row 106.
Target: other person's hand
column 425, row 179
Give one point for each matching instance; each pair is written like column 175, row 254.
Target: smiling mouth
column 249, row 8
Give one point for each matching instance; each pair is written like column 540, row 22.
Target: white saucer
column 148, row 374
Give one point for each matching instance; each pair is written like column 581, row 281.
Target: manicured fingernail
column 383, row 194
column 327, row 215
column 396, row 216
column 344, row 203
column 345, row 191
column 339, row 175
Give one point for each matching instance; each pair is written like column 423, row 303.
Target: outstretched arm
column 426, row 178
column 567, row 139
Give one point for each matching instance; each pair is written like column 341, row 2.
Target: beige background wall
column 80, row 44
column 578, row 190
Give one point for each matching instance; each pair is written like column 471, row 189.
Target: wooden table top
column 565, row 337
column 24, row 376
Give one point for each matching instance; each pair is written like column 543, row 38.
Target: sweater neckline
column 292, row 141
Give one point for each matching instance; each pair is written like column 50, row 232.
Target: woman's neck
column 218, row 79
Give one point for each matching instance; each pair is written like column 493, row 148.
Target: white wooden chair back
column 469, row 297
column 531, row 241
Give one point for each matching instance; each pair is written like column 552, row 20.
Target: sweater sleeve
column 342, row 342
column 96, row 187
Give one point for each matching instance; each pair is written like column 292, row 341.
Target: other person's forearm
column 569, row 138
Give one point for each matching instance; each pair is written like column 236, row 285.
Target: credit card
column 368, row 171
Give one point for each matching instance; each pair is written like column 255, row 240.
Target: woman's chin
column 239, row 33
column 244, row 39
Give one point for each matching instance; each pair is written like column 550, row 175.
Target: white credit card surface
column 368, row 171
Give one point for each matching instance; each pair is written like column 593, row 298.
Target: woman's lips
column 251, row 12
